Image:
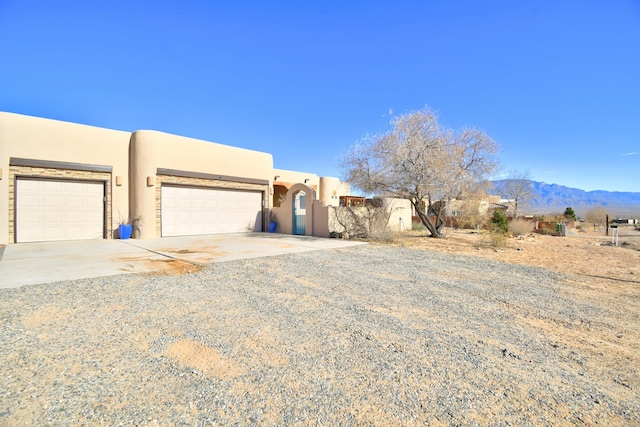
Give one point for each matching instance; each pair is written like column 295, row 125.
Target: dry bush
column 596, row 215
column 521, row 227
column 384, row 235
column 547, row 230
column 493, row 240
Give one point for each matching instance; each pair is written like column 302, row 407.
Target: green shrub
column 569, row 213
column 417, row 225
column 499, row 222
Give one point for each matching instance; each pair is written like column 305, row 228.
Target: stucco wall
column 37, row 138
column 134, row 166
column 399, row 211
column 296, row 177
column 330, row 191
column 153, row 150
column 320, row 219
column 400, row 218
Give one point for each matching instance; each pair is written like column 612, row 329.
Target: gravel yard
column 369, row 335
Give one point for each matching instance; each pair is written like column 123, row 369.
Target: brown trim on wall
column 200, row 175
column 16, row 161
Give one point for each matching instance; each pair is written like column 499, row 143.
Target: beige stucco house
column 67, row 181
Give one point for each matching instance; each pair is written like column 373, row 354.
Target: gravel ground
column 370, row 335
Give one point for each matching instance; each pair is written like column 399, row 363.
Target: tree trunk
column 434, row 229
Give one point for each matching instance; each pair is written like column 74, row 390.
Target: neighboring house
column 483, row 206
column 626, row 221
column 67, row 181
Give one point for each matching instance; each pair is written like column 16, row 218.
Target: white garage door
column 58, row 210
column 188, row 211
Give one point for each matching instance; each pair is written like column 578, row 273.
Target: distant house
column 621, row 221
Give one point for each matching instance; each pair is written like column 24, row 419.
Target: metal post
column 614, row 235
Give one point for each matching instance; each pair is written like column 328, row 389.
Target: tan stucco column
column 142, row 177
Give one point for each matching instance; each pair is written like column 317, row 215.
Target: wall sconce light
column 275, row 178
column 118, row 181
column 150, row 182
column 306, row 180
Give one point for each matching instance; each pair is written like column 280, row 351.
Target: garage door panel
column 49, row 210
column 74, row 202
column 54, row 186
column 50, row 233
column 73, row 217
column 190, row 210
column 50, row 202
column 51, row 217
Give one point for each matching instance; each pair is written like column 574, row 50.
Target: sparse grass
column 630, row 244
column 417, row 226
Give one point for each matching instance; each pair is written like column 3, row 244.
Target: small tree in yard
column 570, row 213
column 419, row 161
column 499, row 222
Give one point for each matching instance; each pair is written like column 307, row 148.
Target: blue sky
column 555, row 83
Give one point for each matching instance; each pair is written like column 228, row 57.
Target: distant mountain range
column 552, row 198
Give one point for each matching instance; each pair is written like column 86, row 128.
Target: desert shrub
column 547, row 230
column 493, row 240
column 521, row 227
column 499, row 222
column 383, row 235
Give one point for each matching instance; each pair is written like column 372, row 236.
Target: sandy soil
column 586, row 254
column 372, row 335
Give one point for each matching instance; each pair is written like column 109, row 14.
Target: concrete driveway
column 44, row 262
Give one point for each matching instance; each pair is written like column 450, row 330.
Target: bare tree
column 597, row 216
column 518, row 188
column 419, row 161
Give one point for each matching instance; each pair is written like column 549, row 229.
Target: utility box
column 562, row 229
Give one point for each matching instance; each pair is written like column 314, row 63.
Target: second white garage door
column 190, row 211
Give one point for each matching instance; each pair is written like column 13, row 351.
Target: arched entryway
column 299, row 213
